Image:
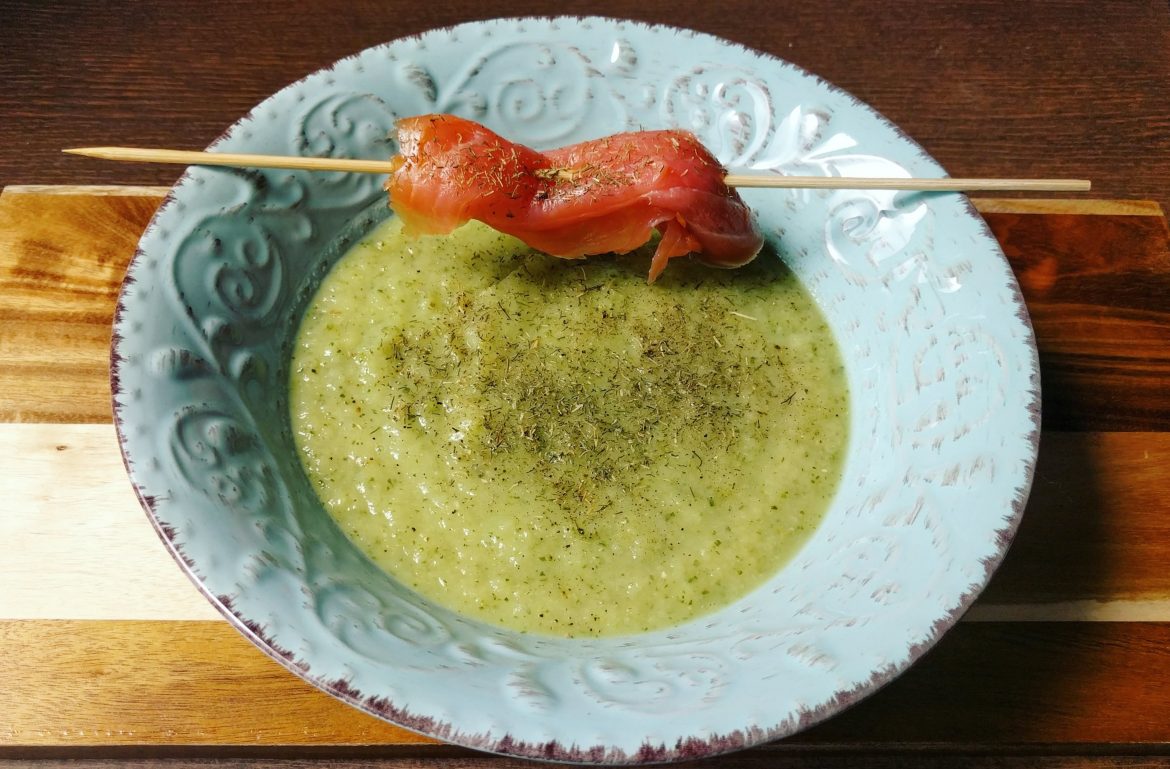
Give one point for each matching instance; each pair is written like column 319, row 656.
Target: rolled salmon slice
column 603, row 196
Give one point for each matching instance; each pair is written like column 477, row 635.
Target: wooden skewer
column 185, row 157
column 926, row 185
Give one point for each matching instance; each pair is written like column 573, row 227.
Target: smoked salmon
column 600, row 196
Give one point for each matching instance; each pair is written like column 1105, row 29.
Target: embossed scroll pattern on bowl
column 941, row 365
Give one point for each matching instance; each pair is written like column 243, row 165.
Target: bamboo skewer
column 925, row 185
column 187, row 158
column 184, row 157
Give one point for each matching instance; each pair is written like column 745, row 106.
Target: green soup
column 557, row 447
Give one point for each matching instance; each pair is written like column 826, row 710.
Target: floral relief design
column 733, row 111
column 863, row 234
column 384, row 618
column 346, row 125
column 526, row 686
column 728, row 109
column 536, row 93
column 246, row 268
column 219, row 456
column 669, row 678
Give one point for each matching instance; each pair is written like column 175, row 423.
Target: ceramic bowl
column 940, row 360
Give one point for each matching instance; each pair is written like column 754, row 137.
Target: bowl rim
column 695, row 747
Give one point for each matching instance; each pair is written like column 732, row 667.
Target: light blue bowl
column 940, row 357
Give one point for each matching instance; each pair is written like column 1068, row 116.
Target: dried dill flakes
column 555, row 447
column 594, row 409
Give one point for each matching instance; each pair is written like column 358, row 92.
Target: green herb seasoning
column 555, row 446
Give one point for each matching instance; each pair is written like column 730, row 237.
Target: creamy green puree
column 556, row 446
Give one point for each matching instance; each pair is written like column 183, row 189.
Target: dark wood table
column 1065, row 660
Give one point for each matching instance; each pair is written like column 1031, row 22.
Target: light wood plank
column 1094, row 206
column 76, row 543
column 1093, row 545
column 104, row 190
column 1119, row 610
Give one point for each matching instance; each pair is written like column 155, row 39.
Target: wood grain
column 62, row 257
column 795, row 756
column 1093, row 545
column 70, row 505
column 990, row 88
column 1097, row 206
column 138, row 683
column 1105, row 610
column 1097, row 524
column 1095, row 284
column 1096, row 288
column 1019, row 684
column 162, row 683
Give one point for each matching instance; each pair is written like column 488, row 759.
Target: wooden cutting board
column 105, row 646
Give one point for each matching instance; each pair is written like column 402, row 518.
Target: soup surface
column 555, row 446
